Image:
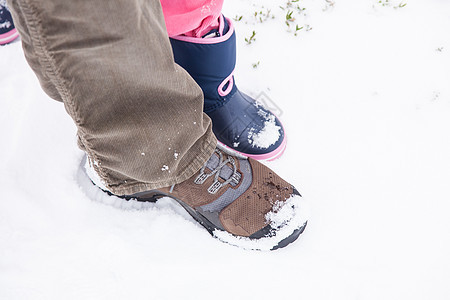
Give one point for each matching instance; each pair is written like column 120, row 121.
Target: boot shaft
column 211, row 62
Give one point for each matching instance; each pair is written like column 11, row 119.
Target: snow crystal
column 176, row 155
column 164, row 168
column 6, row 24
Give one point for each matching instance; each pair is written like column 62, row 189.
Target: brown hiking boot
column 238, row 200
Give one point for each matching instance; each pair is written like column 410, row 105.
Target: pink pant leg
column 191, row 17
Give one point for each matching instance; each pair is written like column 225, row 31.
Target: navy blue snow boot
column 239, row 122
column 8, row 32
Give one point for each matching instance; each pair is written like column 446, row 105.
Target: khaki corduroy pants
column 139, row 115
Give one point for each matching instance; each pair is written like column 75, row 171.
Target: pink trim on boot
column 271, row 156
column 275, row 154
column 221, row 25
column 207, row 41
column 9, row 37
column 230, row 81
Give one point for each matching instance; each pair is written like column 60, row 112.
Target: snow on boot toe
column 248, row 128
column 239, row 122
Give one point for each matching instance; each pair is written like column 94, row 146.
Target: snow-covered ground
column 364, row 93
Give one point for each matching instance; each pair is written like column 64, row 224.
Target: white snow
column 365, row 97
column 268, row 135
column 6, row 24
column 291, row 215
column 93, row 175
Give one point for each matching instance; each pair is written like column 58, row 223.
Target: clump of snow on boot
column 281, row 213
column 288, row 216
column 268, row 136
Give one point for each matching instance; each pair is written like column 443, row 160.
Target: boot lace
column 217, row 185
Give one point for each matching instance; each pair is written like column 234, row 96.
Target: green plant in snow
column 289, row 18
column 297, row 29
column 251, row 38
column 263, row 15
column 389, row 3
